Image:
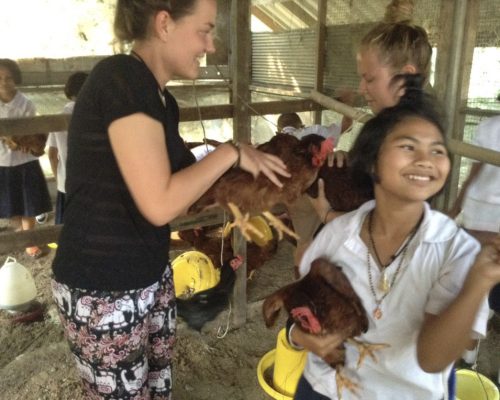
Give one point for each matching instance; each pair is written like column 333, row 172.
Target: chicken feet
column 367, row 349
column 279, row 226
column 246, row 227
column 343, row 382
column 243, row 222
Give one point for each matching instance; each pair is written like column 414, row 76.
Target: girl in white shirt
column 415, row 270
column 23, row 189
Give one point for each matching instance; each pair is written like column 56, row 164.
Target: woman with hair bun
column 423, row 280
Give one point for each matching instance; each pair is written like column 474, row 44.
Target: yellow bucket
column 288, row 366
column 193, row 272
column 262, row 226
column 472, row 385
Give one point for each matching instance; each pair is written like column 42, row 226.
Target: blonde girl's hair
column 398, row 41
column 132, row 17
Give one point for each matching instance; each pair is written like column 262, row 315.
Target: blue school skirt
column 23, row 191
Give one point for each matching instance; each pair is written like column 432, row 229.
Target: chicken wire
column 284, row 56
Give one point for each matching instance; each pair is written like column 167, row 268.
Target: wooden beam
column 32, row 125
column 455, row 146
column 60, row 122
column 274, row 25
column 42, row 235
column 299, row 13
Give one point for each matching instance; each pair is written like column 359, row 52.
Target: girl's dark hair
column 13, row 68
column 415, row 103
column 132, row 17
column 74, row 84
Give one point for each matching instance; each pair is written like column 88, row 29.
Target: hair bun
column 399, row 11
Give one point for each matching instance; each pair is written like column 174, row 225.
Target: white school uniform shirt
column 59, row 140
column 332, row 130
column 19, row 106
column 433, row 271
column 481, row 205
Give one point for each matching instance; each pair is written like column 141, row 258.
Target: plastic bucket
column 288, row 365
column 193, row 272
column 472, row 385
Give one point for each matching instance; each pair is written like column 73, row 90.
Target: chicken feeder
column 193, row 272
column 286, row 365
column 17, row 287
column 472, row 385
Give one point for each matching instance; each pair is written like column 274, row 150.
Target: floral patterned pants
column 122, row 341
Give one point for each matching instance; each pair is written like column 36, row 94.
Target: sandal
column 34, row 252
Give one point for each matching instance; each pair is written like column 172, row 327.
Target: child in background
column 58, row 143
column 23, row 189
column 414, row 269
column 479, row 198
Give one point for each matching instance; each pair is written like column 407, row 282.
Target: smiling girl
column 128, row 175
column 421, row 278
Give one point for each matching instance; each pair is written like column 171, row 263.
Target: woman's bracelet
column 236, row 146
column 326, row 215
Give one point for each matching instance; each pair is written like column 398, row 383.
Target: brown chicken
column 243, row 195
column 341, row 189
column 324, row 302
column 33, row 144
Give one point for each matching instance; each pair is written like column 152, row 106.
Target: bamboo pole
column 455, row 146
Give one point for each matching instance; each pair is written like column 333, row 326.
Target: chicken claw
column 367, row 349
column 242, row 222
column 279, row 226
column 343, row 382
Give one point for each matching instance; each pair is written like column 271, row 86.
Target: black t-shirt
column 105, row 242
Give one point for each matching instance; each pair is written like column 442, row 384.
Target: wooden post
column 320, row 52
column 240, row 68
column 453, row 74
column 457, row 121
column 240, row 72
column 239, row 298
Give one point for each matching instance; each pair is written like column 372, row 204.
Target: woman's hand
column 339, row 158
column 256, row 162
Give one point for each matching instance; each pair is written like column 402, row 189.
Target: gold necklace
column 384, row 285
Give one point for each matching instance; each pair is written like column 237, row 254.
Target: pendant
column 377, row 313
column 383, row 283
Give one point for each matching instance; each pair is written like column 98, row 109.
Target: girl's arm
column 139, row 146
column 322, row 206
column 444, row 337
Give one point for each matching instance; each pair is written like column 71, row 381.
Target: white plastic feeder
column 17, row 286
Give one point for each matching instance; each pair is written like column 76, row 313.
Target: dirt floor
column 35, row 363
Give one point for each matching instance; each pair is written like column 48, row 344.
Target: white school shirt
column 481, row 203
column 19, row 106
column 332, row 130
column 59, row 140
column 434, row 269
